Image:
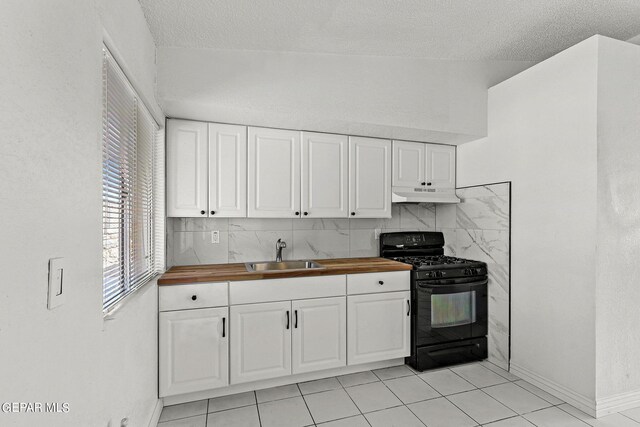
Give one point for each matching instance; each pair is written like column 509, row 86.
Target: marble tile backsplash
column 189, row 240
column 478, row 228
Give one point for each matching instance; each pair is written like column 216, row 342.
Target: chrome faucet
column 280, row 245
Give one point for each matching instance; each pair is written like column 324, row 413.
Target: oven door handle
column 448, row 288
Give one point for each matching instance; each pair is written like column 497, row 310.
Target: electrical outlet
column 215, row 236
column 377, row 232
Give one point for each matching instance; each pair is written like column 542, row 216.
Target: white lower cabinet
column 193, row 350
column 212, row 335
column 319, row 334
column 261, row 341
column 379, row 326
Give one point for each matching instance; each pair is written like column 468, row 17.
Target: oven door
column 448, row 312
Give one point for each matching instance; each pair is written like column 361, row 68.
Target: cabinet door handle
column 287, row 319
column 428, row 183
column 194, row 297
column 380, row 282
column 353, row 213
column 202, row 212
column 423, row 183
column 223, row 326
column 408, row 307
column 295, row 314
column 213, row 212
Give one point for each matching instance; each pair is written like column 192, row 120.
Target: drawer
column 368, row 283
column 198, row 295
column 267, row 290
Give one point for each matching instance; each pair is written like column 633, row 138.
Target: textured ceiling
column 529, row 30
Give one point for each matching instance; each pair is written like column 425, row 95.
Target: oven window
column 453, row 309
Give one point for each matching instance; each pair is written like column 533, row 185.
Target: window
column 132, row 189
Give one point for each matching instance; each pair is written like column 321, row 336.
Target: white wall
column 404, row 98
column 50, row 206
column 618, row 272
column 542, row 137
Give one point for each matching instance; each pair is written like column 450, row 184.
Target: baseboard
column 577, row 400
column 617, row 403
column 156, row 413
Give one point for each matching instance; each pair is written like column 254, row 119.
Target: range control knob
column 438, row 273
column 467, row 272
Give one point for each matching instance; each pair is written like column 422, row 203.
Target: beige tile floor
column 476, row 394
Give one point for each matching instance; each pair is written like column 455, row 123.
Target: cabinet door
column 408, row 163
column 274, row 173
column 324, row 175
column 261, row 343
column 441, row 166
column 369, row 178
column 378, row 327
column 227, row 170
column 193, row 350
column 186, row 168
column 319, row 334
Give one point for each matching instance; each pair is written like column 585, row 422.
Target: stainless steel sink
column 280, row 266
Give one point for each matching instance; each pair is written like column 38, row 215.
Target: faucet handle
column 281, row 244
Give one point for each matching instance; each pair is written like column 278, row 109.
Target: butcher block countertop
column 234, row 272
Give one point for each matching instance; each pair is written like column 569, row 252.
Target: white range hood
column 423, row 195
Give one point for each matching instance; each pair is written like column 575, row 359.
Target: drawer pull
column 287, row 319
column 223, row 326
column 194, row 297
column 380, row 282
column 295, row 312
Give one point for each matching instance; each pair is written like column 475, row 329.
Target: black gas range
column 449, row 300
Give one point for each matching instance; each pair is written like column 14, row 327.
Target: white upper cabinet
column 274, row 173
column 206, row 169
column 441, row 166
column 417, row 164
column 369, row 178
column 227, row 170
column 409, row 160
column 186, row 168
column 325, row 183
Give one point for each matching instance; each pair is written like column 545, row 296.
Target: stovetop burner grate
column 430, row 261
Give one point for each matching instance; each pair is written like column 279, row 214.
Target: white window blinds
column 132, row 216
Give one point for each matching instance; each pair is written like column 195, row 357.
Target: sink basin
column 280, row 266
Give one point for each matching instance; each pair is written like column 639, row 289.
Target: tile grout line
column 305, row 404
column 206, row 414
column 255, row 396
column 566, row 412
column 626, row 416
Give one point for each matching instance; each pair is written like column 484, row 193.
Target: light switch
column 56, row 295
column 215, row 236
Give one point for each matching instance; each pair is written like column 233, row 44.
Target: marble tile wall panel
column 318, row 244
column 258, row 245
column 478, row 228
column 253, row 239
